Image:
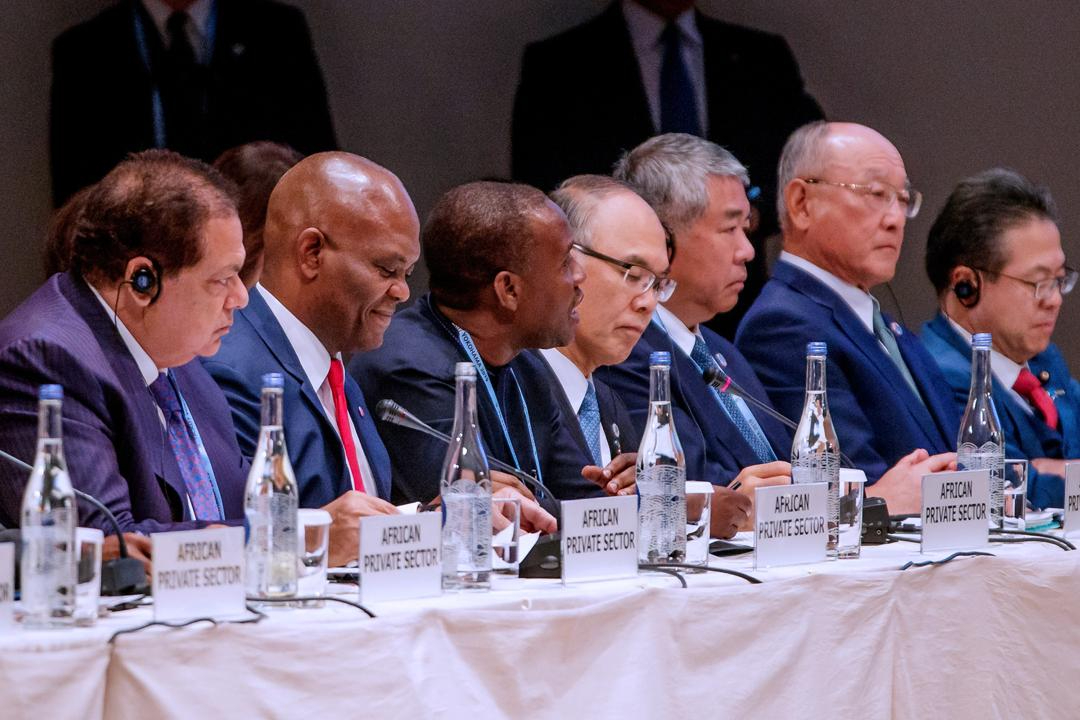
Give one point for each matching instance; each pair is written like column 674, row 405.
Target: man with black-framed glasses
column 995, row 258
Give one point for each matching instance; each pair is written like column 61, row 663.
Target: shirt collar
column 676, row 329
column 1005, row 369
column 199, row 12
column 645, row 26
column 147, row 368
column 860, row 301
column 574, row 383
column 314, row 357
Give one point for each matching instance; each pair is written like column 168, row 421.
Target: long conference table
column 988, row 637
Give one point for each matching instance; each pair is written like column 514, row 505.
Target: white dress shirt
column 575, row 385
column 1003, row 368
column 315, row 360
column 645, row 30
column 199, row 12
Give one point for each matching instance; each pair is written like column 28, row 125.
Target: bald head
column 341, row 237
column 844, row 201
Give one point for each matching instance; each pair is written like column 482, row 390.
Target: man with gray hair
column 698, row 190
column 845, row 198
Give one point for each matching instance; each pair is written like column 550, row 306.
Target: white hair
column 670, row 172
column 803, row 155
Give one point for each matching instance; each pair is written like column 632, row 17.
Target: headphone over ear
column 967, row 292
column 145, row 281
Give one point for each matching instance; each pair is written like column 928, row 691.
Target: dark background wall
column 426, row 88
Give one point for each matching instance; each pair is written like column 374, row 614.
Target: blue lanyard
column 156, row 108
column 466, row 342
column 190, row 421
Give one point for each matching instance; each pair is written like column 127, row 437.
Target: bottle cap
column 660, row 357
column 273, row 380
column 817, row 348
column 980, row 340
column 51, row 392
column 464, row 369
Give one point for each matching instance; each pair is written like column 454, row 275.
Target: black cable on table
column 962, row 553
column 332, row 598
column 901, row 538
column 1051, row 541
column 667, row 571
column 1031, row 533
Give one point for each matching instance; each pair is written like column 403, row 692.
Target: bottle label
column 989, row 456
column 661, row 514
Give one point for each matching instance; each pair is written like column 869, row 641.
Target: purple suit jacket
column 114, row 443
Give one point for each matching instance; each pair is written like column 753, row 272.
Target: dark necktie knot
column 181, row 52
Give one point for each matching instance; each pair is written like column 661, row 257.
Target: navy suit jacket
column 114, row 443
column 877, row 418
column 715, row 449
column 415, row 367
column 257, row 345
column 619, row 431
column 262, row 83
column 1026, row 435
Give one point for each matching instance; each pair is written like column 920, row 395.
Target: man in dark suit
column 503, row 280
column 153, row 283
column 627, row 254
column 195, row 76
column 845, row 200
column 341, row 236
column 994, row 256
column 645, row 67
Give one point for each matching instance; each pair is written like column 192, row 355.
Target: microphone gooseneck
column 719, row 380
column 392, row 412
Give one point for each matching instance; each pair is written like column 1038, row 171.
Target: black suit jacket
column 264, row 83
column 581, row 104
column 415, row 367
column 619, row 430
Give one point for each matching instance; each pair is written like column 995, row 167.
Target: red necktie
column 341, row 414
column 1029, row 387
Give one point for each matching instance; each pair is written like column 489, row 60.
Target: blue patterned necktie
column 589, row 417
column 746, row 424
column 678, row 105
column 185, row 444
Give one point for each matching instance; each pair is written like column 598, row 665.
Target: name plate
column 955, row 510
column 789, row 524
column 198, row 573
column 400, row 556
column 7, row 584
column 1072, row 498
column 599, row 538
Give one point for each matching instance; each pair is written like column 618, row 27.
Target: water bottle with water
column 980, row 445
column 466, row 494
column 270, row 504
column 49, row 516
column 815, row 453
column 661, row 474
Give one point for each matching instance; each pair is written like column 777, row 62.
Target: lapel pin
column 896, row 329
column 238, row 49
column 1044, row 376
column 360, row 409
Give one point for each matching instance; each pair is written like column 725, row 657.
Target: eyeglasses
column 1043, row 288
column 639, row 279
column 880, row 195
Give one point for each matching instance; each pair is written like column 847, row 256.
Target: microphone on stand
column 718, row 379
column 120, row 576
column 391, row 412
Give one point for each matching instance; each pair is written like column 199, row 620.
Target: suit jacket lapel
column 863, row 339
column 637, row 117
column 372, row 445
column 569, row 412
column 130, row 379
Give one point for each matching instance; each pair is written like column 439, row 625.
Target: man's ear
column 310, row 245
column 797, row 203
column 507, row 287
column 141, row 281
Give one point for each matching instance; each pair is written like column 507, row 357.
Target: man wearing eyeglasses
column 994, row 256
column 844, row 201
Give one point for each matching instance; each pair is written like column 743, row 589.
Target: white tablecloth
column 980, row 637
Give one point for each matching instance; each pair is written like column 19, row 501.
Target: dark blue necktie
column 589, row 419
column 746, row 424
column 678, row 106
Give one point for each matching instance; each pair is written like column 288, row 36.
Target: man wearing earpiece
column 153, row 283
column 994, row 257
